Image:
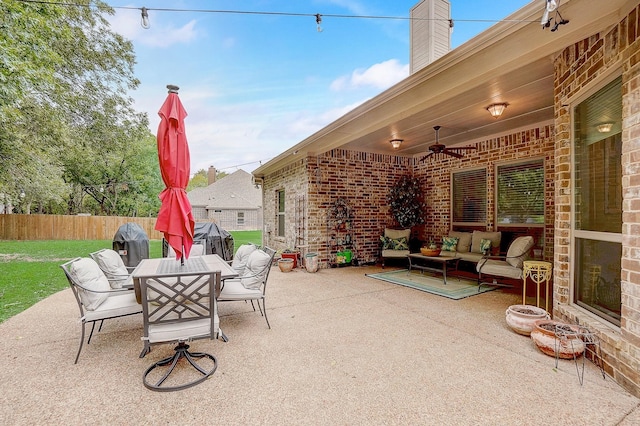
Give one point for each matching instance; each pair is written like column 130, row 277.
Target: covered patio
column 571, row 115
column 343, row 349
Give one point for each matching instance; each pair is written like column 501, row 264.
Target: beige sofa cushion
column 395, row 234
column 478, row 236
column 518, row 251
column 464, row 240
column 395, row 253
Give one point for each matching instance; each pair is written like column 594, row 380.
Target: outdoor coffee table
column 432, row 264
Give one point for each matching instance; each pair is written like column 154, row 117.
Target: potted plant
column 406, row 202
column 430, row 249
column 291, row 254
column 285, row 265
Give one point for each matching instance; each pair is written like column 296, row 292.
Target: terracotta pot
column 521, row 318
column 551, row 336
column 285, row 265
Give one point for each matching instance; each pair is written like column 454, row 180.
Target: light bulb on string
column 145, row 18
column 318, row 22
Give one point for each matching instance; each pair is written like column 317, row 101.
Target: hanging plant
column 406, row 202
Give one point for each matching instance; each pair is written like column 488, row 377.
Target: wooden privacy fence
column 60, row 227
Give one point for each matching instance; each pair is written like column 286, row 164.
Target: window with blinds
column 281, row 213
column 469, row 197
column 520, row 193
column 597, row 202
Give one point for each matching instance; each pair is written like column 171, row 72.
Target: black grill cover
column 217, row 240
column 131, row 243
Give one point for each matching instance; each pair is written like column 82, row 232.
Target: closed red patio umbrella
column 175, row 218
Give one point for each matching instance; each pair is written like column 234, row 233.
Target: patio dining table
column 166, row 267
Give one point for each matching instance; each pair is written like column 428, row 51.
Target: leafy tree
column 199, row 180
column 68, row 129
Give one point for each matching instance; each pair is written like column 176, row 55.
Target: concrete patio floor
column 343, row 349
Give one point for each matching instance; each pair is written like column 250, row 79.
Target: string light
column 314, row 15
column 145, row 18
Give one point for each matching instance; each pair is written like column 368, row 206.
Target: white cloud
column 127, row 23
column 170, row 36
column 379, row 76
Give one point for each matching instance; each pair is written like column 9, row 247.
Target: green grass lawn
column 30, row 270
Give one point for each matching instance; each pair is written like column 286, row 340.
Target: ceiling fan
column 438, row 148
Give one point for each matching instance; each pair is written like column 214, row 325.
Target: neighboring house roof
column 234, row 191
column 510, row 62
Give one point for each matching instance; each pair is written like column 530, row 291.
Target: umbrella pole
column 182, row 256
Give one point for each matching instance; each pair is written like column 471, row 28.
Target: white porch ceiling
column 464, row 119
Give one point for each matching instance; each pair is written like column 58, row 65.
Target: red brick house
column 572, row 125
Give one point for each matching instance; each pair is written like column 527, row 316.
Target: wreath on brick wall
column 406, row 202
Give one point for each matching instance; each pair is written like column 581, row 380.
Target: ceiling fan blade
column 452, row 153
column 426, row 156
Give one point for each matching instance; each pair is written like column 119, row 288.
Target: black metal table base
column 181, row 351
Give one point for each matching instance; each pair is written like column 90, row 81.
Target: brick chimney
column 211, row 175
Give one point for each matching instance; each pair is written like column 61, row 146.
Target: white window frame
column 593, row 88
column 484, row 198
column 497, row 194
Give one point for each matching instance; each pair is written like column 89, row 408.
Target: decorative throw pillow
column 400, row 244
column 88, row 274
column 449, row 243
column 239, row 261
column 387, row 243
column 485, row 245
column 113, row 267
column 256, row 269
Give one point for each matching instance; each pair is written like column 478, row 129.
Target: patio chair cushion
column 256, row 269
column 464, row 241
column 116, row 305
column 239, row 262
column 518, row 251
column 113, row 267
column 197, row 249
column 499, row 268
column 234, row 290
column 395, row 234
column 88, row 274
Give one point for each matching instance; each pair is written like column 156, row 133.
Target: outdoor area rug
column 456, row 288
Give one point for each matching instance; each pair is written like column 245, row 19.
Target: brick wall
column 576, row 67
column 365, row 178
column 361, row 178
column 293, row 180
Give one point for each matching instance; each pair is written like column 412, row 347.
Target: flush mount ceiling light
column 604, row 127
column 395, row 143
column 496, row 110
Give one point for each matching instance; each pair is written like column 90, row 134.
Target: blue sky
column 254, row 85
